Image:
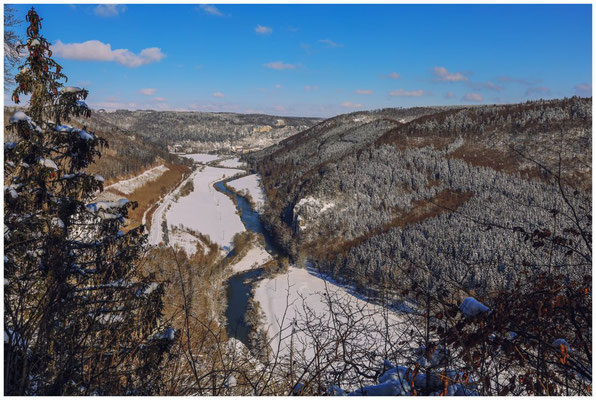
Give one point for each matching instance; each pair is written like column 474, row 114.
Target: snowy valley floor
column 294, row 298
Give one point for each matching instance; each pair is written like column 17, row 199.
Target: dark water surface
column 240, row 285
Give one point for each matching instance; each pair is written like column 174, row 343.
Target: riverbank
column 261, row 304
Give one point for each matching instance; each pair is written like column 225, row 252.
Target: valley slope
column 371, row 196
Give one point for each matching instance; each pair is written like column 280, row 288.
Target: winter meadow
column 297, row 200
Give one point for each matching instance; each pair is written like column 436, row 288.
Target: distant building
column 261, row 129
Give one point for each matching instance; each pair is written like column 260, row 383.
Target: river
column 240, row 285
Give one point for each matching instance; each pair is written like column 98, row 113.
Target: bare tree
column 12, row 56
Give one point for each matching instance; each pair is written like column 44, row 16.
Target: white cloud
column 583, row 89
column 210, row 9
column 148, row 91
column 393, row 75
column 159, row 98
column 330, row 43
column 308, row 88
column 306, row 48
column 485, row 85
column 218, row 94
column 492, row 86
column 449, row 95
column 540, row 91
column 349, row 104
column 477, row 97
column 109, row 10
column 263, row 30
column 444, row 75
column 280, row 108
column 407, row 93
column 94, row 50
column 521, row 81
column 278, row 86
column 363, row 91
column 279, row 65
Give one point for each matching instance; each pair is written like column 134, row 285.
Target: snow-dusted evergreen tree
column 80, row 316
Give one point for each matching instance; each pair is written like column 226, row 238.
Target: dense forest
column 429, row 210
column 360, row 196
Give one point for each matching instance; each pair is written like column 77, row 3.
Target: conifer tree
column 80, row 316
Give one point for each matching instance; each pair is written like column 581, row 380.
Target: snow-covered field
column 283, row 300
column 130, row 185
column 206, row 210
column 155, row 234
column 202, row 158
column 232, row 163
column 250, row 184
column 256, row 256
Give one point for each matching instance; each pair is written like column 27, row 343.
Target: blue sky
column 319, row 60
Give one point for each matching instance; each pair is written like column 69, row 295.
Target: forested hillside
column 365, row 195
column 128, row 153
column 203, row 131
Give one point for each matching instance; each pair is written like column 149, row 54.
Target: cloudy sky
column 317, row 60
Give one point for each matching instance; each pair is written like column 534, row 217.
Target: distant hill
column 204, row 131
column 361, row 193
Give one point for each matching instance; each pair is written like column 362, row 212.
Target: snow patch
column 168, row 334
column 232, row 163
column 71, row 89
column 472, row 307
column 86, row 135
column 48, row 163
column 18, row 117
column 250, row 184
column 57, row 222
column 256, row 256
column 309, row 208
column 130, row 185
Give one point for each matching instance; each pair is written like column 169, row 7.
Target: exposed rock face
column 309, row 209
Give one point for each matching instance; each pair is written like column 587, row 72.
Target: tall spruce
column 80, row 316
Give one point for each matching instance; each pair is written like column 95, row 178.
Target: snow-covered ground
column 186, row 240
column 283, row 300
column 256, row 256
column 130, row 185
column 206, row 210
column 155, row 234
column 202, row 158
column 232, row 163
column 250, row 184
